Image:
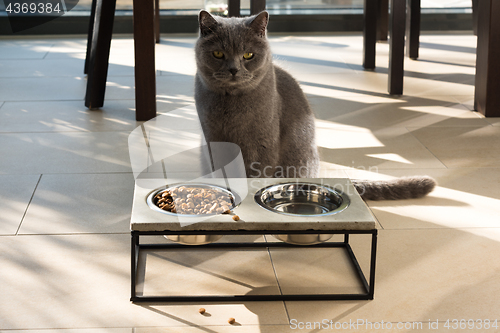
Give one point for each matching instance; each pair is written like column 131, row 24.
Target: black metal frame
column 368, row 285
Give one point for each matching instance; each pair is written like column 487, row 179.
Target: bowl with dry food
column 302, row 199
column 191, row 201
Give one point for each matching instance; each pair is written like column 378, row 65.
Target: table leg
column 145, row 72
column 486, row 96
column 397, row 20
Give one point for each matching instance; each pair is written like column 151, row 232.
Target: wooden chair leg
column 397, row 20
column 474, row 16
column 157, row 21
column 144, row 51
column 99, row 53
column 486, row 96
column 233, row 8
column 89, row 36
column 382, row 20
column 369, row 33
column 256, row 6
column 413, row 29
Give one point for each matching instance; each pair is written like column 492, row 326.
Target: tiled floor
column 66, row 188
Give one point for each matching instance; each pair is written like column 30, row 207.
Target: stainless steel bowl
column 189, row 239
column 194, row 239
column 151, row 201
column 304, row 199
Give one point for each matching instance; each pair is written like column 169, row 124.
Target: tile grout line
column 277, row 280
column 427, row 148
column 28, row 205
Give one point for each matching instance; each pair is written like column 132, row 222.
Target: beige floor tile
column 67, row 45
column 315, row 271
column 80, row 330
column 361, row 148
column 169, row 88
column 208, row 272
column 335, row 85
column 464, row 198
column 60, row 67
column 428, row 86
column 24, row 49
column 80, row 203
column 462, row 147
column 176, row 116
column 495, row 121
column 62, row 116
column 217, row 329
column 295, row 64
column 423, row 275
column 67, row 55
column 64, row 152
column 83, row 281
column 43, row 88
column 401, row 112
column 15, row 195
column 468, row 102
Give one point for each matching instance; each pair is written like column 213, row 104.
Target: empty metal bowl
column 304, row 199
column 189, row 239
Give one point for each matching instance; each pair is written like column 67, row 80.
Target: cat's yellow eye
column 218, row 54
column 248, row 55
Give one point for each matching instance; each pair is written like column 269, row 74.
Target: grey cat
column 243, row 98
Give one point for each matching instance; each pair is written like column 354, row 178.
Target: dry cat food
column 194, row 200
column 201, row 310
column 231, row 321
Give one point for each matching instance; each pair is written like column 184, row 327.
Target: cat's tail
column 397, row 189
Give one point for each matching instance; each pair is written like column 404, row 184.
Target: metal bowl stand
column 367, row 281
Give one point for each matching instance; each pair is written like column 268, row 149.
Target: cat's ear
column 207, row 23
column 259, row 23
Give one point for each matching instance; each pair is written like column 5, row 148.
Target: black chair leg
column 369, row 33
column 397, row 20
column 474, row 16
column 157, row 21
column 99, row 53
column 233, row 8
column 89, row 36
column 256, row 6
column 413, row 29
column 382, row 20
column 486, row 96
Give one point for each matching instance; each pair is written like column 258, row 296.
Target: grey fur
column 259, row 106
column 401, row 188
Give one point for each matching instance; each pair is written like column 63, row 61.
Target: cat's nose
column 233, row 71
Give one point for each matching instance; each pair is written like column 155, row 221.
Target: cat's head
column 232, row 53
